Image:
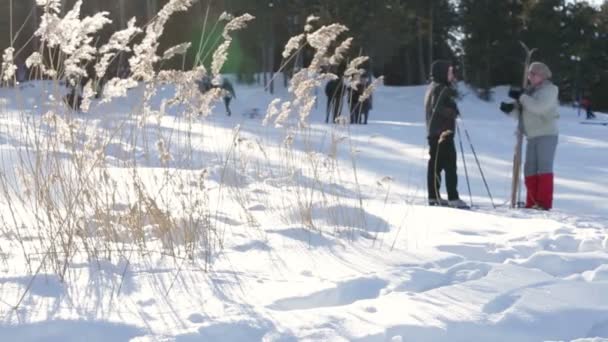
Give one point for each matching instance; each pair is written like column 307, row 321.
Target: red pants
column 539, row 191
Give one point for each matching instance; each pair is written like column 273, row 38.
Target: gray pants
column 540, row 153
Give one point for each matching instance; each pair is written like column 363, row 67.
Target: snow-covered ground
column 377, row 265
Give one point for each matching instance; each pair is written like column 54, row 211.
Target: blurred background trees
column 402, row 37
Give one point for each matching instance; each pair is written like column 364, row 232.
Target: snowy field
column 368, row 260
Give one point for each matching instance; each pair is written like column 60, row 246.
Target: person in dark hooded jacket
column 229, row 94
column 359, row 110
column 441, row 112
column 334, row 90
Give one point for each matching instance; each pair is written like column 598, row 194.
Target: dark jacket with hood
column 439, row 101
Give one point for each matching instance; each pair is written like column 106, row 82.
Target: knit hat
column 540, row 69
column 439, row 71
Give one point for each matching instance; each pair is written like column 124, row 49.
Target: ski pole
column 483, row 177
column 464, row 162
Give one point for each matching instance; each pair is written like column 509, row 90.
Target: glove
column 506, row 107
column 453, row 109
column 515, row 93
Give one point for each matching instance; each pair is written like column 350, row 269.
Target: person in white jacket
column 538, row 104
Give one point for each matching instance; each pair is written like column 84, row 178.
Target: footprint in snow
column 196, row 318
column 344, row 293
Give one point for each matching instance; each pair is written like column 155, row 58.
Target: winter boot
column 545, row 191
column 531, row 190
column 458, row 204
column 438, row 202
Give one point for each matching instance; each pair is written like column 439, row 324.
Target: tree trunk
column 408, row 68
column 270, row 55
column 463, row 65
column 122, row 14
column 269, row 47
column 431, row 23
column 264, row 66
column 10, row 15
column 487, row 72
column 421, row 63
column 151, row 9
column 122, row 21
column 34, row 22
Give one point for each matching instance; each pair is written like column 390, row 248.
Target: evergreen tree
column 490, row 41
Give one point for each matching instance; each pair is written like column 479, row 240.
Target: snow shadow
column 353, row 217
column 310, row 237
column 70, row 331
column 43, row 285
column 344, row 293
column 238, row 331
column 567, row 325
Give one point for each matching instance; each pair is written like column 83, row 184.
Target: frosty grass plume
column 180, row 49
column 220, row 55
column 144, row 58
column 340, row 52
column 293, row 45
column 370, row 89
column 72, row 35
column 8, row 64
column 353, row 72
column 305, row 81
column 320, row 40
column 118, row 42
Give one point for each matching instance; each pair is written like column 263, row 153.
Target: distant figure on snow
column 359, row 110
column 229, row 94
column 74, row 98
column 21, row 73
column 586, row 104
column 334, row 90
column 205, row 84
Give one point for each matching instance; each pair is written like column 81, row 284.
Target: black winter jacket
column 440, row 102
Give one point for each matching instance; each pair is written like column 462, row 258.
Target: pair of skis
column 516, row 180
column 602, row 123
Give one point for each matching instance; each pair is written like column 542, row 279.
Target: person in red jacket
column 586, row 104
